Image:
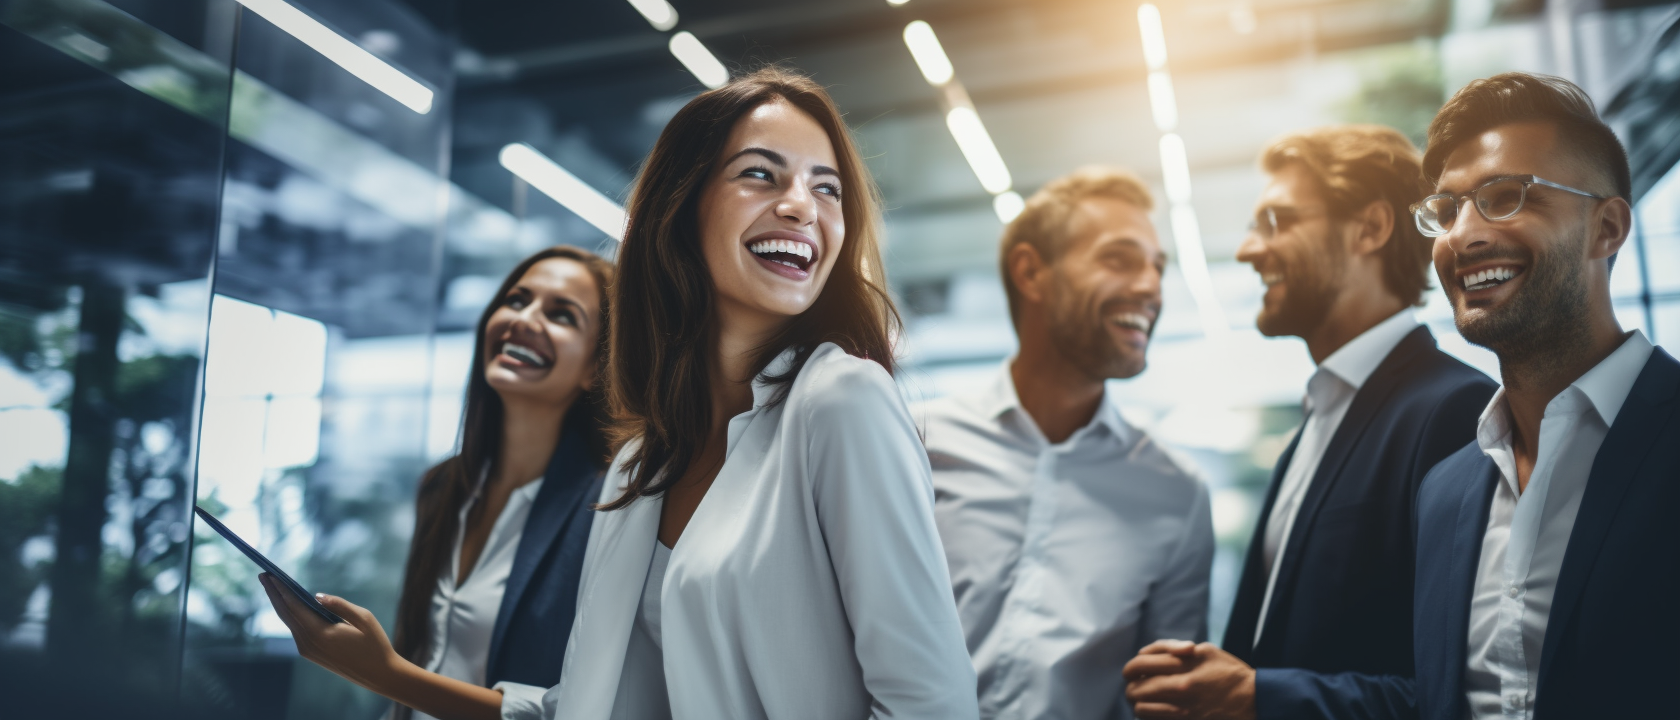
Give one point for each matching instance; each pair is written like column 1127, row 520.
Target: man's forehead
column 1511, row 149
column 1291, row 184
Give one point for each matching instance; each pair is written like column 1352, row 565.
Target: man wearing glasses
column 1548, row 557
column 1324, row 605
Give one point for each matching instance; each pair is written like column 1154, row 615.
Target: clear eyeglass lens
column 1501, row 199
column 1435, row 216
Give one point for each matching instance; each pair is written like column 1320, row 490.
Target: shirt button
column 1516, row 701
column 1513, row 591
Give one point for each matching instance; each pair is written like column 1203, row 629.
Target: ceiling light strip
column 658, row 13
column 554, row 181
column 962, row 120
column 347, row 54
column 1175, row 176
column 700, row 61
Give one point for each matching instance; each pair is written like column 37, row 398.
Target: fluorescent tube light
column 566, row 189
column 350, row 56
column 1175, row 169
column 896, row 3
column 1154, row 40
column 698, row 60
column 1192, row 260
column 1008, row 205
column 930, row 57
column 1162, row 101
column 977, row 147
column 659, row 13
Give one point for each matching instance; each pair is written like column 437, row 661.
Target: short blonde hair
column 1044, row 222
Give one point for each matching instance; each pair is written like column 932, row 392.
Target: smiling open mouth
column 794, row 254
column 1490, row 278
column 524, row 354
column 1134, row 321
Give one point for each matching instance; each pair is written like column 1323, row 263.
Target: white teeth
column 1271, row 278
column 520, row 352
column 1137, row 321
column 790, row 247
column 1494, row 275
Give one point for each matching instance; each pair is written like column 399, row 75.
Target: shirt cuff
column 520, row 702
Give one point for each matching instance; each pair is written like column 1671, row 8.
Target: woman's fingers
column 278, row 598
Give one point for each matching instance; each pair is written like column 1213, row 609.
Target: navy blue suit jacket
column 528, row 644
column 1338, row 635
column 1611, row 637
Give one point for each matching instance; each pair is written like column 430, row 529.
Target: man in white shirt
column 1073, row 539
column 1548, row 567
column 1325, row 597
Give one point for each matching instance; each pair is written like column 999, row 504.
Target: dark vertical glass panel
column 111, row 136
column 316, row 375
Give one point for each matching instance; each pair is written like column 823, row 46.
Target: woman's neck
column 530, row 432
column 739, row 341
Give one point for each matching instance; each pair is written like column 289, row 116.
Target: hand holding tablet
column 268, row 566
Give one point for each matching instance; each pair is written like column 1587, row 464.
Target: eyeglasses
column 1271, row 220
column 1496, row 200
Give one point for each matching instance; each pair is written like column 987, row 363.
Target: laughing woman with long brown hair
column 767, row 547
column 492, row 576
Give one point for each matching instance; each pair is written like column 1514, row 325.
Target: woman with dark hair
column 492, row 576
column 769, row 548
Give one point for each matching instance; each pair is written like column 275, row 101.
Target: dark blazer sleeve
column 1291, row 694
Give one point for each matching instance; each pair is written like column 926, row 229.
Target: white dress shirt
column 1330, row 393
column 1528, row 530
column 809, row 583
column 1066, row 559
column 464, row 615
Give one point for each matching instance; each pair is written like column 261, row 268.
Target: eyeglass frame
column 1458, row 199
column 1271, row 212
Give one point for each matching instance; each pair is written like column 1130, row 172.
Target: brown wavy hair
column 444, row 488
column 664, row 335
column 1356, row 165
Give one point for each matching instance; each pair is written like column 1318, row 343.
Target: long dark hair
column 447, row 485
column 664, row 327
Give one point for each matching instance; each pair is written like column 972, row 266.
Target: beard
column 1082, row 336
column 1311, row 286
column 1538, row 320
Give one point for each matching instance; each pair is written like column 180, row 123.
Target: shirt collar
column 1606, row 386
column 1354, row 362
column 1001, row 398
column 764, row 391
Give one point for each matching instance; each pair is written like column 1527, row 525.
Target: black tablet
column 267, row 565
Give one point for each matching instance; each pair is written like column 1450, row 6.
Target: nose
column 797, row 204
column 528, row 317
column 1469, row 229
column 1251, row 249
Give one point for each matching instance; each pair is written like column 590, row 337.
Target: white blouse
column 464, row 615
column 810, row 582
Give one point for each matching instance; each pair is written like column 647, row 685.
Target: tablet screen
column 268, row 566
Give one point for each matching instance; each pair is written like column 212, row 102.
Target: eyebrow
column 1159, row 257
column 1486, row 180
column 779, row 160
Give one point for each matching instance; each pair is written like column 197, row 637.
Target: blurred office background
column 242, row 246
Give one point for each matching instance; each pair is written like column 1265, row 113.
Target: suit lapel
column 1251, row 591
column 615, row 568
column 1366, row 405
column 1616, row 467
column 1461, row 573
column 565, row 486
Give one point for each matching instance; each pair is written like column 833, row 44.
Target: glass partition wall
column 219, row 280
